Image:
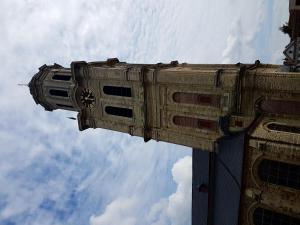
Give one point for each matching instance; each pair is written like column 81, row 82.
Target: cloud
column 173, row 210
column 232, row 52
column 121, row 211
column 176, row 209
column 243, row 31
column 257, row 37
column 50, row 173
column 179, row 207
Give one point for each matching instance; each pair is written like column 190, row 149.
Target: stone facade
column 271, row 171
column 192, row 105
column 294, row 5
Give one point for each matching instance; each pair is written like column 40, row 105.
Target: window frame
column 117, row 91
column 61, row 75
column 126, row 110
column 273, row 213
column 289, row 183
column 59, row 91
column 282, row 126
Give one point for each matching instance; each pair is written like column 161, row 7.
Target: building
column 244, row 117
column 242, row 121
column 292, row 50
column 254, row 177
column 294, row 20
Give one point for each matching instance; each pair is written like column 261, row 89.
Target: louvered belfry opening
column 61, row 77
column 117, row 91
column 59, row 93
column 118, row 111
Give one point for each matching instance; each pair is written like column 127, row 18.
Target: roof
column 35, row 86
column 222, row 173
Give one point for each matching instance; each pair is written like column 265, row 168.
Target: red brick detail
column 195, row 123
column 281, row 107
column 196, row 99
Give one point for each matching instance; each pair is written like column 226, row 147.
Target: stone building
column 242, row 121
column 244, row 117
column 292, row 50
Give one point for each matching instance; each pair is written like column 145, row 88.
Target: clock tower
column 189, row 104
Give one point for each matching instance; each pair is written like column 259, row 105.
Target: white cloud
column 179, row 207
column 50, row 173
column 174, row 210
column 121, row 211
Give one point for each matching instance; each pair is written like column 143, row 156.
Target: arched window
column 118, row 111
column 65, row 106
column 61, row 77
column 195, row 123
column 263, row 216
column 117, row 91
column 283, row 128
column 279, row 173
column 197, row 99
column 60, row 93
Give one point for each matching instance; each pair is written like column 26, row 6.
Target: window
column 283, row 128
column 118, row 111
column 60, row 93
column 297, row 2
column 281, row 107
column 279, row 173
column 117, row 91
column 195, row 123
column 61, row 77
column 65, row 106
column 263, row 216
column 197, row 99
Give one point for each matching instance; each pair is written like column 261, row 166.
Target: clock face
column 87, row 98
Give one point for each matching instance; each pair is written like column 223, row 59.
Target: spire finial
column 23, row 85
column 71, row 118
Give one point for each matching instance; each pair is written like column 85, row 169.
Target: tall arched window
column 118, row 111
column 117, row 91
column 60, row 93
column 263, row 216
column 279, row 173
column 61, row 77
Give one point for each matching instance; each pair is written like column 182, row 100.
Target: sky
column 52, row 174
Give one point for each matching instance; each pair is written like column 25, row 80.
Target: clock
column 87, row 98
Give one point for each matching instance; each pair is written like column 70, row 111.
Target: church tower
column 188, row 104
column 53, row 87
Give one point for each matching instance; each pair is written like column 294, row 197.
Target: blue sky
column 52, row 174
